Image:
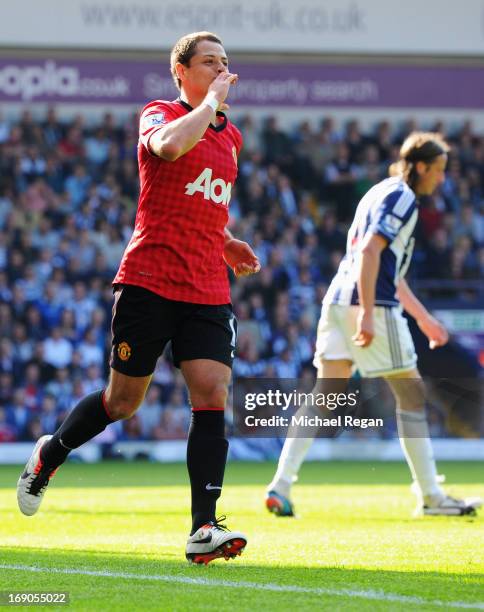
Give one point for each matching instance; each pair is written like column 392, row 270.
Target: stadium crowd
column 68, row 195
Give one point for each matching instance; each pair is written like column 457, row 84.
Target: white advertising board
column 317, row 26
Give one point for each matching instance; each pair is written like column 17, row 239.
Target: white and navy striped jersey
column 390, row 210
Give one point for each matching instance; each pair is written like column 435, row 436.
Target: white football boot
column 445, row 505
column 442, row 504
column 32, row 483
column 213, row 541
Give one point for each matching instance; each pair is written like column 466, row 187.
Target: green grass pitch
column 113, row 536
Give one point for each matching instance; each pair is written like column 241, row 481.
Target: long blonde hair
column 418, row 146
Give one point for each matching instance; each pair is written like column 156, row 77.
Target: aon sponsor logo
column 216, row 190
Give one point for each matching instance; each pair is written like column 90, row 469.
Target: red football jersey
column 176, row 249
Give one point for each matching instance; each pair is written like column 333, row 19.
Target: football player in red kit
column 172, row 285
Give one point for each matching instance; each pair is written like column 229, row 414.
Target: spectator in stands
column 131, row 428
column 60, row 387
column 275, row 142
column 43, row 266
column 48, row 415
column 6, row 319
column 330, row 236
column 6, row 388
column 23, row 346
column 469, row 223
column 53, row 174
column 250, row 134
column 354, row 140
column 150, row 411
column 7, row 432
column 249, row 363
column 437, row 255
column 82, row 305
column 32, row 318
column 33, row 385
column 49, row 305
column 97, row 149
column 52, row 128
column 340, row 178
column 71, row 147
column 90, row 351
column 175, row 418
column 19, row 414
column 57, row 350
column 34, row 428
column 77, row 185
column 6, row 356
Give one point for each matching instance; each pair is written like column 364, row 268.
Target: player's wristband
column 212, row 102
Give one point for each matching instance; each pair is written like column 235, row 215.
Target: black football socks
column 206, row 457
column 84, row 422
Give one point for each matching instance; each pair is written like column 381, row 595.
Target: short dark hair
column 185, row 48
column 418, row 146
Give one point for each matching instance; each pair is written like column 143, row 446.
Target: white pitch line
column 261, row 586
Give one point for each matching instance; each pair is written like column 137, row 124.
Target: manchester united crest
column 124, row 351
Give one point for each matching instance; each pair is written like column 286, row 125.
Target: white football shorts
column 391, row 351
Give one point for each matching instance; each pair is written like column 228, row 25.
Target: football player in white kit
column 362, row 325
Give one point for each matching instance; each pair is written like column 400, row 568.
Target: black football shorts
column 144, row 322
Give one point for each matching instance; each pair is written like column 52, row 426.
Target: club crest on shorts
column 124, row 351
